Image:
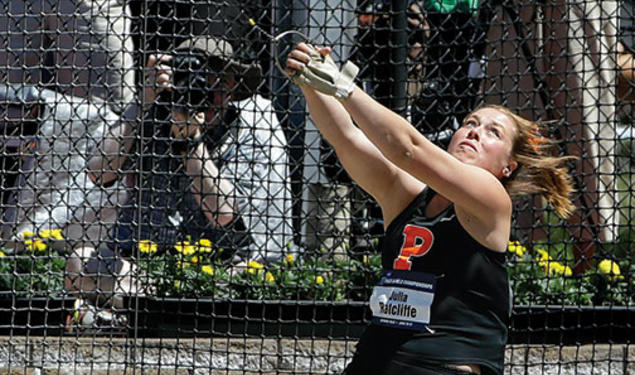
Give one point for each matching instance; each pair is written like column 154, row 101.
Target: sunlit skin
column 485, row 140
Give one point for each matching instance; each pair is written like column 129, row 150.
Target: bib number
column 402, row 299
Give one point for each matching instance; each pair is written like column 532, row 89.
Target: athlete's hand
column 314, row 67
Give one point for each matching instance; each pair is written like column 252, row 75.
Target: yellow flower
column 609, row 269
column 255, row 264
column 27, row 234
column 204, row 245
column 254, row 267
column 319, row 280
column 289, row 259
column 57, row 234
column 269, row 277
column 147, row 246
column 185, row 248
column 2, row 255
column 554, row 268
column 194, row 259
column 366, row 259
column 36, row 245
column 543, row 255
column 208, row 270
column 516, row 248
column 51, row 233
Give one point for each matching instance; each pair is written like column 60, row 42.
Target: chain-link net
column 169, row 206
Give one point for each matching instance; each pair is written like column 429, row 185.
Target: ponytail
column 538, row 170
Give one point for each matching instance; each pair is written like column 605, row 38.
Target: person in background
column 48, row 135
column 626, row 51
column 626, row 81
column 448, row 67
column 78, row 55
column 210, row 163
column 372, row 48
column 581, row 90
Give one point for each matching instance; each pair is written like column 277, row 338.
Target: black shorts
column 397, row 367
column 379, row 352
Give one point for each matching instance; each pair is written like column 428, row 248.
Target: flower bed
column 36, row 271
column 189, row 270
column 305, row 297
column 545, row 279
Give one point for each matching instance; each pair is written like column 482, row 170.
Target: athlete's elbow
column 403, row 151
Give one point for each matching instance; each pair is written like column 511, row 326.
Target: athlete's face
column 485, row 140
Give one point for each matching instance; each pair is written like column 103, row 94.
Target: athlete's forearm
column 329, row 116
column 391, row 133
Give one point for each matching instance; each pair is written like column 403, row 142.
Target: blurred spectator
column 47, row 136
column 82, row 50
column 215, row 170
column 159, row 26
column 447, row 63
column 372, row 48
column 626, row 81
column 626, row 51
column 626, row 72
column 581, row 86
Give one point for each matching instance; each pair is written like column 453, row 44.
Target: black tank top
column 470, row 311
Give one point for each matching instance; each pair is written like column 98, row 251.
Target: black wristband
column 182, row 146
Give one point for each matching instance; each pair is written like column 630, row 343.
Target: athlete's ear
column 509, row 169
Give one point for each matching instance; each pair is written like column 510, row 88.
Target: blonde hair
column 538, row 170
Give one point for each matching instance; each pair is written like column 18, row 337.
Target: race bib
column 402, row 299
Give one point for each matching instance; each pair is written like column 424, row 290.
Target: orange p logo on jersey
column 418, row 241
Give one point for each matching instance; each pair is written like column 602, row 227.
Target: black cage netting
column 168, row 203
